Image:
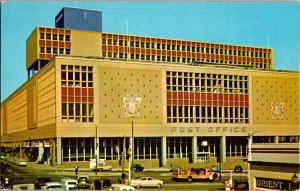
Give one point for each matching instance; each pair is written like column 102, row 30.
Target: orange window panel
column 48, row 43
column 90, row 91
column 42, row 56
column 68, row 44
column 42, row 42
column 48, row 56
column 55, row 44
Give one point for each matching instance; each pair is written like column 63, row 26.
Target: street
column 26, row 175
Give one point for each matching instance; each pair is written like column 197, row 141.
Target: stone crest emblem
column 277, row 109
column 132, row 105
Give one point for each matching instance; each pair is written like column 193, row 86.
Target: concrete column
column 194, row 149
column 52, row 152
column 276, row 139
column 58, row 150
column 97, row 148
column 163, row 151
column 39, row 65
column 223, row 149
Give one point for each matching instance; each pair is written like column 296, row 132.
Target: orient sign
column 209, row 129
column 273, row 184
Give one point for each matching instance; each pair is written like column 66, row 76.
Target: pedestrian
column 76, row 169
column 211, row 177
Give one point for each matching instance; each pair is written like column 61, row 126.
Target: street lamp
column 132, row 109
column 250, row 135
column 96, row 151
column 294, row 182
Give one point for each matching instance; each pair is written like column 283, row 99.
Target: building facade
column 274, row 166
column 199, row 101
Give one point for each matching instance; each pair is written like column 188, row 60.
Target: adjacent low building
column 274, row 166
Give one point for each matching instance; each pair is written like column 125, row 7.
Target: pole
column 96, row 151
column 132, row 149
column 123, row 154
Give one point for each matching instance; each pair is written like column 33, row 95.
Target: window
column 48, row 50
column 61, row 50
column 68, row 38
column 42, row 49
column 48, row 36
column 83, row 109
column 67, row 51
column 54, row 50
column 61, row 37
column 54, row 36
column 42, row 35
column 207, row 109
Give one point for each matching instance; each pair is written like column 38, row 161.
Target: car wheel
column 190, row 179
column 158, row 185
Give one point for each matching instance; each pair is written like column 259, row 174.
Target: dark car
column 238, row 168
column 39, row 182
column 137, row 167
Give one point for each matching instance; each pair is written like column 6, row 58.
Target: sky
column 270, row 24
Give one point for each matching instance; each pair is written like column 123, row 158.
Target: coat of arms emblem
column 132, row 106
column 277, row 108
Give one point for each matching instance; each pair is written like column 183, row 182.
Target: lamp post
column 294, row 182
column 250, row 136
column 132, row 109
column 96, row 151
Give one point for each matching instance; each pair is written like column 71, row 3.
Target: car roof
column 52, row 183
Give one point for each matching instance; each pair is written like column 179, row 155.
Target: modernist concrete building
column 199, row 101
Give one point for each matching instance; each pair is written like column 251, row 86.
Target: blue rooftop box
column 81, row 19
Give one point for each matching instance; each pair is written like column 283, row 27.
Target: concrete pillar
column 194, row 149
column 276, row 139
column 223, row 149
column 39, row 65
column 58, row 150
column 52, row 152
column 163, row 151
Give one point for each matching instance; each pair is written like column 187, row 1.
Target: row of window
column 55, row 37
column 202, row 82
column 54, row 50
column 77, row 112
column 159, row 58
column 77, row 76
column 206, row 114
column 184, row 48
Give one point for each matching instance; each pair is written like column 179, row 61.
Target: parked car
column 52, row 186
column 68, row 183
column 83, row 178
column 20, row 162
column 84, row 183
column 41, row 182
column 137, row 167
column 121, row 187
column 146, row 182
column 238, row 168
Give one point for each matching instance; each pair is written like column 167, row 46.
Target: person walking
column 76, row 169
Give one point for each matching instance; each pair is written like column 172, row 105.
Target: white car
column 20, row 162
column 52, row 186
column 121, row 187
column 146, row 182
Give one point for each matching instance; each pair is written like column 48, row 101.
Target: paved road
column 29, row 173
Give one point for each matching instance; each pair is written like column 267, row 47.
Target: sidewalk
column 60, row 170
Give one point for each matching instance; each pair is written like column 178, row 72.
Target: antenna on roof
column 127, row 39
